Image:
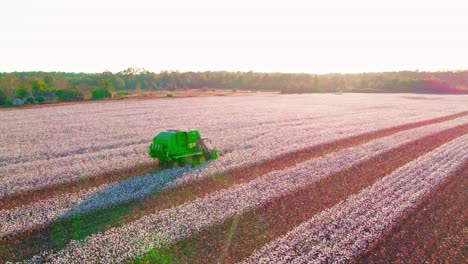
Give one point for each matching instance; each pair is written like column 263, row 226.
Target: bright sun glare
column 268, row 36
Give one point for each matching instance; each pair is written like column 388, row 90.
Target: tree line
column 42, row 87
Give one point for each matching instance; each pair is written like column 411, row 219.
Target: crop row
column 65, row 206
column 340, row 233
column 118, row 244
column 112, row 136
column 40, row 173
column 432, row 231
column 105, row 121
column 249, row 231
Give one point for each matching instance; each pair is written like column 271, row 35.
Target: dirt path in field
column 433, row 232
column 58, row 234
column 242, row 174
column 237, row 238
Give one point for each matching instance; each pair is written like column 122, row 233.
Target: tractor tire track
column 433, row 232
column 262, row 225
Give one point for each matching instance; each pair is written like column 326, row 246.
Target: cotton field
column 319, row 178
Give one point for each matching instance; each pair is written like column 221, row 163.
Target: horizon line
column 239, row 71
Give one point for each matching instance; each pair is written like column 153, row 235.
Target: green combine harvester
column 177, row 148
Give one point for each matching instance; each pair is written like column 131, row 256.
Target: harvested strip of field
column 339, row 233
column 282, row 161
column 255, row 228
column 433, row 232
column 295, row 121
column 36, row 215
column 26, row 218
column 179, row 222
column 176, row 196
column 54, row 190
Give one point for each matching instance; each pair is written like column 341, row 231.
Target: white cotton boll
column 184, row 220
column 108, row 136
column 403, row 189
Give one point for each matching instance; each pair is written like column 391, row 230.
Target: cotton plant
column 176, row 223
column 340, row 233
column 45, row 211
column 115, row 136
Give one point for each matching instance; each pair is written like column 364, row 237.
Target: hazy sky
column 269, row 36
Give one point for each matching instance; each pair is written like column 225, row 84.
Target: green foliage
column 80, row 226
column 49, row 80
column 41, row 99
column 106, row 84
column 30, row 100
column 100, row 94
column 169, row 95
column 3, row 98
column 69, row 95
column 21, row 92
column 124, row 93
column 134, row 79
column 38, row 86
column 157, row 255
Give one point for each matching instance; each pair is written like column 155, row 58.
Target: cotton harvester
column 176, row 148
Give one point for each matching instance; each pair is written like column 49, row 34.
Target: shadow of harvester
column 109, row 207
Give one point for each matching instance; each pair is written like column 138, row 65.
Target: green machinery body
column 176, row 148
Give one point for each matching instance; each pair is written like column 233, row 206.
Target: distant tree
column 38, row 86
column 30, row 100
column 69, row 95
column 100, row 93
column 41, row 100
column 8, row 85
column 84, row 87
column 21, row 92
column 61, row 84
column 26, row 83
column 49, row 80
column 138, row 88
column 3, row 98
column 165, row 78
column 133, row 78
column 118, row 83
column 107, row 85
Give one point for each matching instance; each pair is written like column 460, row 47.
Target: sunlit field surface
column 302, row 178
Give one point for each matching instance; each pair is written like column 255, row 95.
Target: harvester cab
column 177, row 148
